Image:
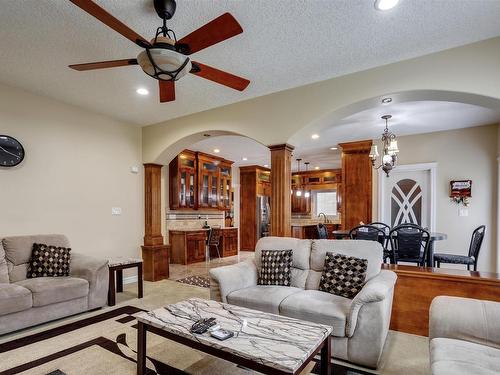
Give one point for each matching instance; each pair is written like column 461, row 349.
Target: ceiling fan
column 165, row 58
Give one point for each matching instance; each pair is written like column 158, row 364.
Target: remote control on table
column 202, row 325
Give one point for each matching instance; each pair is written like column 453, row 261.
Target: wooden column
column 356, row 184
column 281, row 185
column 154, row 250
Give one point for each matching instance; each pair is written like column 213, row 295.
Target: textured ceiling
column 414, row 117
column 285, row 44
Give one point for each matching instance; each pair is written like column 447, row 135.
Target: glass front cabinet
column 199, row 181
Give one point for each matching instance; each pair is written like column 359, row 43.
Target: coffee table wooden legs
column 116, row 285
column 326, row 357
column 140, row 286
column 141, row 348
column 111, row 288
column 119, row 281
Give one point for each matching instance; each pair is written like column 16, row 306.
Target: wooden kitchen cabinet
column 200, row 181
column 302, row 204
column 182, row 181
column 228, row 244
column 187, row 247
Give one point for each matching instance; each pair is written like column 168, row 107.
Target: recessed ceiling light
column 386, row 100
column 333, row 148
column 216, row 150
column 315, row 136
column 316, row 168
column 244, row 159
column 266, row 165
column 142, row 91
column 385, row 4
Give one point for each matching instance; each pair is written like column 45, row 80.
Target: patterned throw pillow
column 343, row 275
column 48, row 260
column 276, row 267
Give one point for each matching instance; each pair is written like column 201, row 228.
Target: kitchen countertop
column 197, row 229
column 314, row 224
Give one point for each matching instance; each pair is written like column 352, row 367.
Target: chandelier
column 391, row 150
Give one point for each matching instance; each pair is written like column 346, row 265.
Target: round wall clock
column 11, row 151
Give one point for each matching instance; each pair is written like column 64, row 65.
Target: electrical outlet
column 463, row 212
column 116, row 210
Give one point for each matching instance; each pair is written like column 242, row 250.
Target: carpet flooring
column 104, row 342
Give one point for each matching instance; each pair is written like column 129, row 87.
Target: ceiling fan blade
column 219, row 76
column 104, row 64
column 95, row 10
column 167, row 91
column 217, row 30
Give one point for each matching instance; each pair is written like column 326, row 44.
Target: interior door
column 407, row 198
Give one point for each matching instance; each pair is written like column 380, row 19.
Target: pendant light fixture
column 298, row 193
column 391, row 150
column 307, row 193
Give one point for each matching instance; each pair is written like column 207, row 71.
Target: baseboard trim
column 130, row 279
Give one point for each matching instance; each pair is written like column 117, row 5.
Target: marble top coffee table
column 268, row 343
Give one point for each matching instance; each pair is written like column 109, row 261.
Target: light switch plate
column 134, row 169
column 116, row 210
column 463, row 212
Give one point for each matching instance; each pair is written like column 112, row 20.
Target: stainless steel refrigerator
column 263, row 214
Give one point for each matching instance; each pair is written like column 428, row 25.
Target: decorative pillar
column 356, row 184
column 154, row 250
column 281, row 185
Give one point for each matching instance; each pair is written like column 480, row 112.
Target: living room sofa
column 360, row 325
column 464, row 336
column 26, row 302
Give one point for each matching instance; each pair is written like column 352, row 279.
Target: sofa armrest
column 376, row 289
column 465, row 319
column 96, row 272
column 224, row 280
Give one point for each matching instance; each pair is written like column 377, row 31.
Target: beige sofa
column 464, row 336
column 360, row 325
column 27, row 302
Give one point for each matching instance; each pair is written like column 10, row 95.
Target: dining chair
column 322, row 232
column 368, row 233
column 214, row 237
column 385, row 241
column 409, row 243
column 474, row 247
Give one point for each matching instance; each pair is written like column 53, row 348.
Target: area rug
column 106, row 344
column 201, row 281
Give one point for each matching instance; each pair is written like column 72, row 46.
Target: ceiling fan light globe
column 166, row 60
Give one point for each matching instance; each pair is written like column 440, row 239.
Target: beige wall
column 275, row 118
column 460, row 154
column 77, row 167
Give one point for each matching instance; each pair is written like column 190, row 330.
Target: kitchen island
column 188, row 245
column 310, row 230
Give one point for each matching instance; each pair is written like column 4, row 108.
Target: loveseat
column 360, row 325
column 26, row 302
column 464, row 336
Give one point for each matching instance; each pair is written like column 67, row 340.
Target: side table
column 116, row 266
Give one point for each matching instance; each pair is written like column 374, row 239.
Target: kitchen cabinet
column 228, row 244
column 300, row 204
column 187, row 247
column 182, row 186
column 200, row 181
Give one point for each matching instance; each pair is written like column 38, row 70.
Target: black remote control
column 202, row 325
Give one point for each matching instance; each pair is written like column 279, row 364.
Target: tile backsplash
column 177, row 220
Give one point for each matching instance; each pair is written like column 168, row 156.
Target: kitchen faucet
column 325, row 219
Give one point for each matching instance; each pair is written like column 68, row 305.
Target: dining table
column 434, row 236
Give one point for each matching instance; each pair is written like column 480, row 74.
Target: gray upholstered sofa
column 464, row 336
column 360, row 325
column 27, row 302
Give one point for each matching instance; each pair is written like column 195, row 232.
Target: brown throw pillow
column 343, row 275
column 48, row 261
column 276, row 267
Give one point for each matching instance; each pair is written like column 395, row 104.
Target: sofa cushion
column 318, row 307
column 369, row 250
column 457, row 357
column 47, row 261
column 50, row 290
column 14, row 298
column 301, row 255
column 262, row 297
column 343, row 275
column 4, row 271
column 276, row 267
column 18, row 251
